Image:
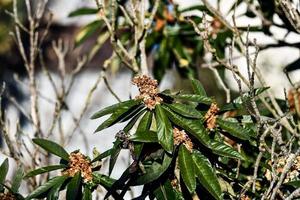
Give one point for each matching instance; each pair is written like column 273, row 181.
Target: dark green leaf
column 117, row 184
column 74, row 188
column 87, row 194
column 195, row 127
column 222, row 149
column 114, row 155
column 44, row 170
column 145, row 124
column 187, row 168
column 87, row 31
column 234, row 129
column 120, row 115
column 232, row 106
column 16, row 182
column 103, row 155
column 258, row 91
column 134, row 112
column 46, row 186
column 144, row 136
column 166, row 192
column 83, row 11
column 193, row 98
column 164, row 129
column 133, row 121
column 53, row 193
column 185, row 110
column 103, row 180
column 206, row 175
column 154, row 171
column 198, row 88
column 161, row 194
column 3, row 171
column 295, row 184
column 52, row 147
column 110, row 109
column 138, row 147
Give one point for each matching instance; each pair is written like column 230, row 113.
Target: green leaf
column 206, row 175
column 164, row 129
column 185, row 110
column 43, row 170
column 195, row 127
column 87, row 31
column 166, row 192
column 145, row 124
column 103, row 155
column 18, row 177
column 46, row 186
column 87, row 194
column 110, row 109
column 74, row 188
column 222, row 149
column 234, row 129
column 144, row 136
column 83, row 11
column 103, row 180
column 187, row 168
column 120, row 115
column 258, row 91
column 133, row 121
column 52, row 147
column 193, row 98
column 134, row 112
column 3, row 171
column 53, row 193
column 154, row 171
column 198, row 88
column 295, row 184
column 227, row 187
column 114, row 155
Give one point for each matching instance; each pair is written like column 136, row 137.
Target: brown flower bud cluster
column 215, row 27
column 211, row 116
column 292, row 175
column 79, row 163
column 180, row 137
column 175, row 183
column 294, row 100
column 148, row 91
column 7, row 196
column 245, row 197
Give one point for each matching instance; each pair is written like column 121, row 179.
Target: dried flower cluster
column 175, row 183
column 215, row 27
column 79, row 163
column 7, row 196
column 148, row 90
column 245, row 197
column 180, row 137
column 292, row 175
column 211, row 116
column 294, row 100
